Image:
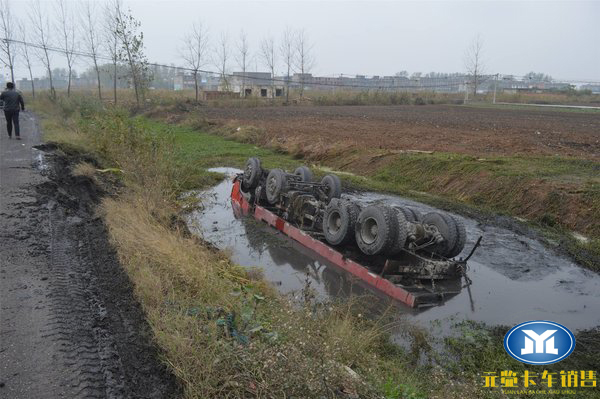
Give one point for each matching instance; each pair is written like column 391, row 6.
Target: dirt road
column 466, row 130
column 69, row 325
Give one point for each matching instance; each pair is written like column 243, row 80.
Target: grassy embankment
column 223, row 331
column 558, row 195
column 202, row 308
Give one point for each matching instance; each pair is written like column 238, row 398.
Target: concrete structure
column 255, row 84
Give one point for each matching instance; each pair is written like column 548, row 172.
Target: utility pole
column 495, row 87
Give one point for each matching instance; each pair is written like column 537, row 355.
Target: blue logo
column 539, row 342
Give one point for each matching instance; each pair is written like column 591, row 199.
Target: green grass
column 202, row 150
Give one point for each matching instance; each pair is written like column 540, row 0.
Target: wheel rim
column 334, row 222
column 369, row 230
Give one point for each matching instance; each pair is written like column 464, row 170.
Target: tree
column 474, row 62
column 90, row 33
column 287, row 53
column 7, row 48
column 221, row 58
column 66, row 26
column 27, row 57
column 112, row 10
column 402, row 74
column 242, row 59
column 304, row 59
column 41, row 27
column 195, row 51
column 267, row 54
column 132, row 52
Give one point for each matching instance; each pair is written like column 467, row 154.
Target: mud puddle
column 515, row 278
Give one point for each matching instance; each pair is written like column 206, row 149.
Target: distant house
column 255, row 84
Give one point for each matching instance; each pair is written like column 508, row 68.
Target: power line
column 271, row 79
column 484, row 78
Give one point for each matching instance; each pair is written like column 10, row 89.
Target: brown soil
column 468, row 130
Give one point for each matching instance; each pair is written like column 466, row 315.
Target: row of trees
column 89, row 30
column 293, row 51
column 106, row 31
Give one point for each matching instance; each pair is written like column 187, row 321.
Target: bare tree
column 286, row 48
column 7, row 48
column 474, row 62
column 304, row 59
column 112, row 10
column 267, row 53
column 89, row 28
column 27, row 57
column 221, row 58
column 242, row 59
column 195, row 51
column 132, row 52
column 41, row 27
column 66, row 27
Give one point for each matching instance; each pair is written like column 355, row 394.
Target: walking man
column 13, row 100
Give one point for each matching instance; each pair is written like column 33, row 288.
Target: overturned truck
column 396, row 250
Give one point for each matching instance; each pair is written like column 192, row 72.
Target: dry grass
column 189, row 293
column 222, row 330
column 84, row 169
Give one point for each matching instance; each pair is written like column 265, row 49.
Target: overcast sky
column 381, row 38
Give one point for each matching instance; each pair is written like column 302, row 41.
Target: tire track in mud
column 69, row 325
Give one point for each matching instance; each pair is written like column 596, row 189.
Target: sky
column 559, row 38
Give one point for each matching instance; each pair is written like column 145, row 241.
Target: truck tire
column 402, row 222
column 304, row 173
column 376, row 230
column 447, row 228
column 252, row 173
column 407, row 212
column 276, row 184
column 461, row 238
column 333, row 186
column 339, row 221
column 418, row 216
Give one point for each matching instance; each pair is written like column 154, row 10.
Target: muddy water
column 515, row 278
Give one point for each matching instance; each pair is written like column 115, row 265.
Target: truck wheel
column 418, row 216
column 376, row 230
column 447, row 228
column 461, row 238
column 339, row 221
column 333, row 186
column 276, row 184
column 304, row 173
column 407, row 212
column 402, row 222
column 252, row 173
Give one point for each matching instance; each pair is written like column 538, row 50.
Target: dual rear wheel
column 383, row 230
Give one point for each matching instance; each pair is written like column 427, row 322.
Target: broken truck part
column 396, row 250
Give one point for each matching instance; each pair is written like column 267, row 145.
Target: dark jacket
column 12, row 99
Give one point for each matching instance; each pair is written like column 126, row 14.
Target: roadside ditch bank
column 104, row 343
column 190, row 293
column 223, row 331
